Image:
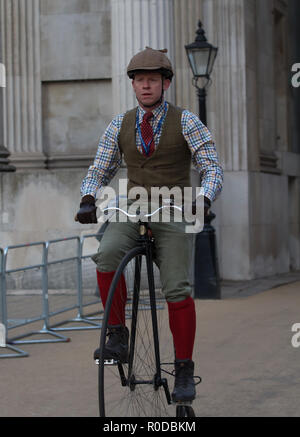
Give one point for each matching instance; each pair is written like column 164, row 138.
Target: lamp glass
column 212, row 58
column 199, row 60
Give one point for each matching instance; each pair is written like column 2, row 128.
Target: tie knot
column 147, row 116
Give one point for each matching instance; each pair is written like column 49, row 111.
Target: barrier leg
column 44, row 331
column 17, row 353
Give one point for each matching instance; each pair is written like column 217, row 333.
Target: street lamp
column 201, row 55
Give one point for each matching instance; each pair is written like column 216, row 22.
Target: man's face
column 148, row 88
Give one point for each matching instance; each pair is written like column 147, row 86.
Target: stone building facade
column 65, row 64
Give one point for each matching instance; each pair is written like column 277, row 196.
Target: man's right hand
column 87, row 211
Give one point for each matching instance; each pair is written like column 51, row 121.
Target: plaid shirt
column 204, row 155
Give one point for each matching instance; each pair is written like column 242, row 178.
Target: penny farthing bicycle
column 141, row 386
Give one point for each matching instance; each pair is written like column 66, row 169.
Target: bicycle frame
column 147, row 243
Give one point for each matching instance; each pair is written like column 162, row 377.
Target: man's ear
column 166, row 84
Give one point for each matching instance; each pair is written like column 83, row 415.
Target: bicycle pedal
column 110, row 362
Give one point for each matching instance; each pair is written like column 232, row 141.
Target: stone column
column 135, row 25
column 20, row 35
column 225, row 22
column 186, row 16
column 4, row 153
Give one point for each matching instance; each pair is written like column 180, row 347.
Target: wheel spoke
column 136, row 399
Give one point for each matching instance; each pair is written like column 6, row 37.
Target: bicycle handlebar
column 116, row 208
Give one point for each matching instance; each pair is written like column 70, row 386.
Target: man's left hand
column 207, row 204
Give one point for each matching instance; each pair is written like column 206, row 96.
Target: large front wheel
column 133, row 389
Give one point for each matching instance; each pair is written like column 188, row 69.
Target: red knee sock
column 117, row 313
column 182, row 320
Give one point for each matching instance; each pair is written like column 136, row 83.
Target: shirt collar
column 157, row 112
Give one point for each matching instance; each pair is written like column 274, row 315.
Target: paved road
column 243, row 353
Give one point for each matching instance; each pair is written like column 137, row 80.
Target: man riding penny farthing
column 159, row 142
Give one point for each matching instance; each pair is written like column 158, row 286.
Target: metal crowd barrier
column 80, row 318
column 12, row 350
column 42, row 300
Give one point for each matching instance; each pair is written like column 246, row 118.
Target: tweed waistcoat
column 170, row 163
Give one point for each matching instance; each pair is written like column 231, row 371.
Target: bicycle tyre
column 133, row 400
column 185, row 411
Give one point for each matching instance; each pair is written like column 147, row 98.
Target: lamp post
column 201, row 56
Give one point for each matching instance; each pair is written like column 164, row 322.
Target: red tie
column 147, row 133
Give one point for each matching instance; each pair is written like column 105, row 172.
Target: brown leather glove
column 87, row 211
column 207, row 204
